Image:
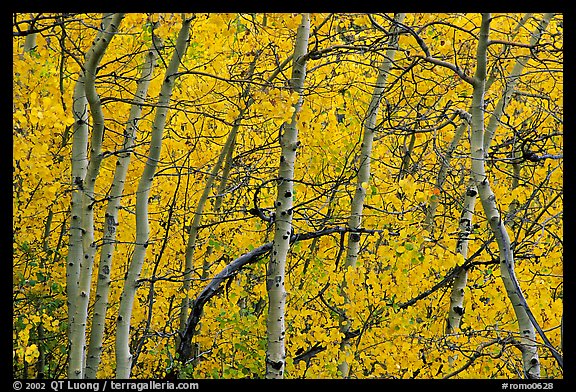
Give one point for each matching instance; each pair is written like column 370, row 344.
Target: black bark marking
column 471, row 192
column 458, row 310
column 276, row 365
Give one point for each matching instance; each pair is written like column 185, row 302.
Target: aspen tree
column 441, row 177
column 530, row 360
column 363, row 178
column 225, row 153
column 456, row 308
column 511, row 82
column 446, row 159
column 112, row 211
column 400, row 286
column 275, row 279
column 29, row 41
column 490, row 132
column 83, row 200
column 123, row 355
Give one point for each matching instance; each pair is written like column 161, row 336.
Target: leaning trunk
column 531, row 363
column 111, row 217
column 123, row 355
column 83, row 200
column 456, row 310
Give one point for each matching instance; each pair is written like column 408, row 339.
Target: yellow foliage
column 398, row 261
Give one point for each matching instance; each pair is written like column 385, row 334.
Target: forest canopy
column 275, row 195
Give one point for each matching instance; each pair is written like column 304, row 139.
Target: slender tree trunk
column 456, row 310
column 225, row 155
column 511, row 81
column 516, row 173
column 41, row 361
column 531, row 363
column 79, row 165
column 218, row 205
column 363, row 178
column 29, row 43
column 111, row 215
column 495, row 70
column 276, row 353
column 194, row 227
column 123, row 355
column 84, row 200
column 407, row 158
column 442, row 173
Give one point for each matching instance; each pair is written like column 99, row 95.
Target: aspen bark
column 111, row 215
column 29, row 43
column 441, row 178
column 218, row 204
column 530, row 360
column 276, row 352
column 123, row 355
column 516, row 173
column 83, row 202
column 79, row 165
column 226, row 156
column 363, row 178
column 456, row 310
column 495, row 72
column 510, row 85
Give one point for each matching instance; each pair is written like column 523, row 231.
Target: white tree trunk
column 111, row 216
column 30, row 43
column 511, row 81
column 363, row 178
column 531, row 363
column 456, row 309
column 441, row 178
column 123, row 355
column 79, row 164
column 276, row 353
column 83, row 200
